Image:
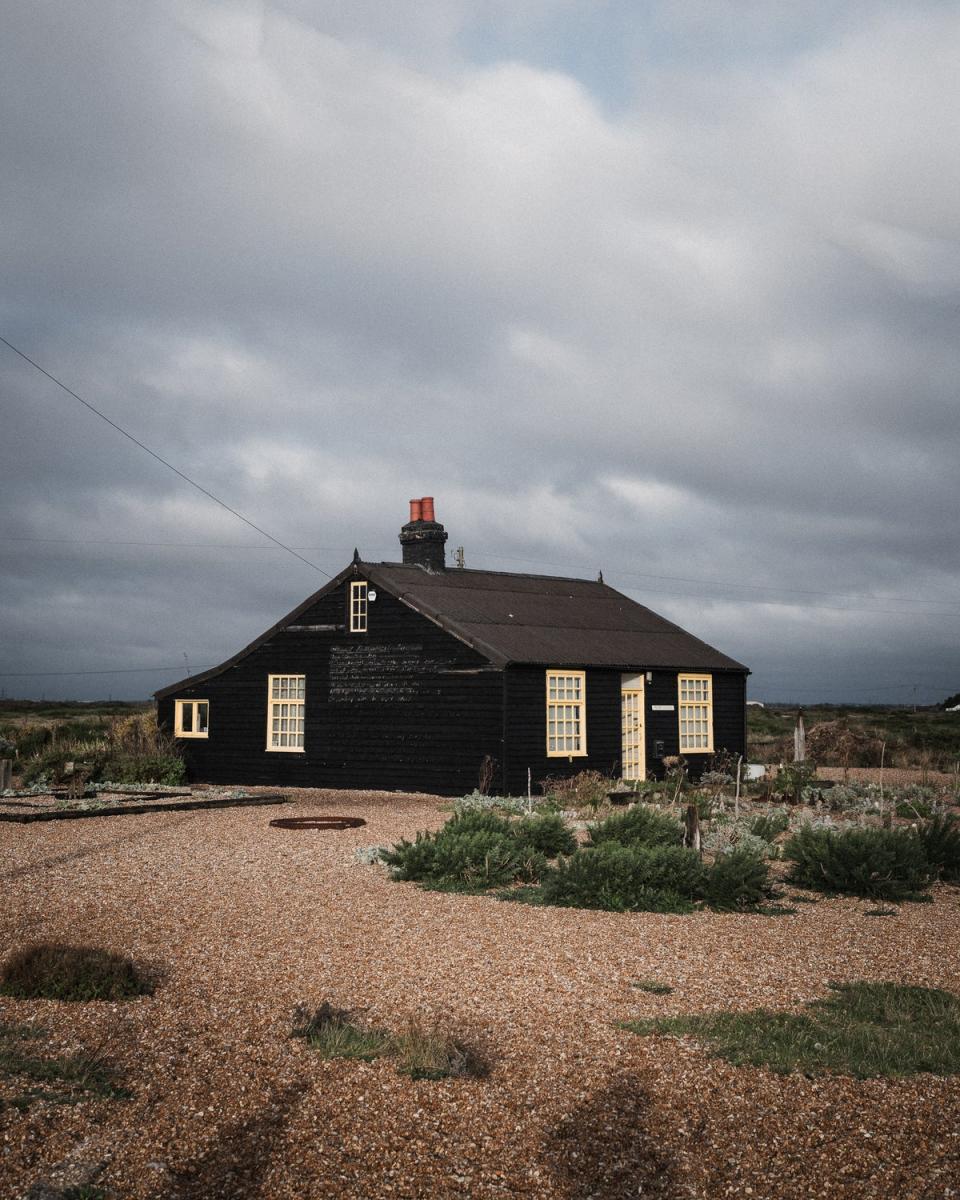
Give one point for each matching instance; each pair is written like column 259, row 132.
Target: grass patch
column 425, row 1052
column 68, row 1078
column 652, row 986
column 866, row 1030
column 58, row 972
column 421, row 1051
column 333, row 1033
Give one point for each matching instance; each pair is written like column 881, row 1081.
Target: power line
column 115, row 671
column 160, row 459
column 544, row 562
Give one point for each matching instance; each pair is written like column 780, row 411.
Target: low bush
column 548, row 834
column 881, row 864
column 621, row 878
column 638, row 826
column 915, row 810
column 940, row 839
column 863, row 1029
column 57, row 972
column 477, row 850
column 737, row 880
column 770, row 825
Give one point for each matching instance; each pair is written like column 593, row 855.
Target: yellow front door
column 633, row 754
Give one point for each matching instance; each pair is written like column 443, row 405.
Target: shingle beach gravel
column 244, row 922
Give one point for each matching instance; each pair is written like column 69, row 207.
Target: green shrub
column 737, row 880
column 412, row 860
column 638, row 826
column 476, row 860
column 940, row 839
column 549, row 834
column 770, row 824
column 476, row 820
column 477, row 849
column 57, row 972
column 622, row 878
column 882, row 864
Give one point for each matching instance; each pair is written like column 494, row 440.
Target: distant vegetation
column 928, row 738
column 75, row 744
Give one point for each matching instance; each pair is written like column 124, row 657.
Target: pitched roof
column 546, row 619
column 510, row 618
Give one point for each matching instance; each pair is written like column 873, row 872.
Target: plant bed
column 129, row 808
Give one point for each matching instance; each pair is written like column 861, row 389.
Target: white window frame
column 193, row 731
column 695, row 704
column 275, row 710
column 561, row 683
column 358, row 606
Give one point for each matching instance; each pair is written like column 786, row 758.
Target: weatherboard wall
column 403, row 707
column 525, row 724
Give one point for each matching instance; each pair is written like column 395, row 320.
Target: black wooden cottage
column 406, row 676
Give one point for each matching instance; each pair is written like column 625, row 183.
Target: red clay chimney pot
column 427, row 510
column 415, row 512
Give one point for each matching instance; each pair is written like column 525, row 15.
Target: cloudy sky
column 667, row 289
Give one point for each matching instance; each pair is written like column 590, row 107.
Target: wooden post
column 736, row 802
column 6, row 774
column 691, row 835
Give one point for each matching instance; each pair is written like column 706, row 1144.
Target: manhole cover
column 318, row 822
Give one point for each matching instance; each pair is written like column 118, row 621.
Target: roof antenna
column 599, row 577
column 460, row 559
column 187, row 661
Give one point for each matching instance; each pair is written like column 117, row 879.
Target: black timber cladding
column 401, row 707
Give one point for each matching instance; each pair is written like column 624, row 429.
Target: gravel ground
column 247, row 921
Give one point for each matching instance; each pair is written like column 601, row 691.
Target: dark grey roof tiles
column 546, row 619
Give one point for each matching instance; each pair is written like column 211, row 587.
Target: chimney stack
column 423, row 537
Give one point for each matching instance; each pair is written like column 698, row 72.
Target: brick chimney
column 422, row 538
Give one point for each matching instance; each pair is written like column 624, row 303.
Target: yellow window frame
column 286, row 702
column 695, row 713
column 566, row 714
column 358, row 606
column 195, row 720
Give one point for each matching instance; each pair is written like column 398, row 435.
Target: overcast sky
column 668, row 289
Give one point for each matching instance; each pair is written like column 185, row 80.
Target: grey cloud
column 322, row 261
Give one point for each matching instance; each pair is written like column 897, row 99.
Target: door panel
column 633, row 752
